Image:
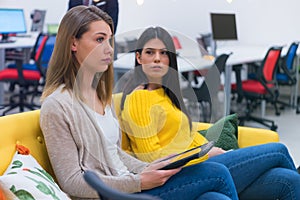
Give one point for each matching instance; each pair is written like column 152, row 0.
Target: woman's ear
column 74, row 44
column 138, row 57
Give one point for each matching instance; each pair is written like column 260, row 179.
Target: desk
column 25, row 43
column 241, row 54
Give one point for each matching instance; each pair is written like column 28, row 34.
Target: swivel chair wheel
column 277, row 113
column 274, row 127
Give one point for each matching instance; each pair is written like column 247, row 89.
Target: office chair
column 206, row 94
column 39, row 62
column 286, row 73
column 263, row 88
column 25, row 79
column 107, row 193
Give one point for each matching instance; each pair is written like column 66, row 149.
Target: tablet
column 188, row 155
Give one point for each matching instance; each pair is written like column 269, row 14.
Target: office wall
column 258, row 21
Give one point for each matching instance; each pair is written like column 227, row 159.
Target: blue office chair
column 286, row 74
column 40, row 64
column 107, row 193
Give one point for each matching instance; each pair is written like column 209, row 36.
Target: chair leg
column 19, row 101
column 250, row 105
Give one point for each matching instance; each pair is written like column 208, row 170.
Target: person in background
column 156, row 123
column 111, row 7
column 82, row 132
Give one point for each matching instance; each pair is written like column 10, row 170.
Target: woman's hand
column 152, row 177
column 215, row 151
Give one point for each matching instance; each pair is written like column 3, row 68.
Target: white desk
column 241, row 54
column 25, row 43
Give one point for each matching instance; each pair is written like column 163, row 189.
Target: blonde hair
column 63, row 66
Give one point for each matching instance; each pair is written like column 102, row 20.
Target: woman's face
column 93, row 50
column 154, row 60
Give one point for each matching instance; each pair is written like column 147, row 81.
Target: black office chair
column 107, row 193
column 206, row 94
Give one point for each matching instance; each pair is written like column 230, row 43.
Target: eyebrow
column 103, row 33
column 150, row 48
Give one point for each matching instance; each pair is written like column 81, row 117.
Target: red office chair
column 27, row 80
column 264, row 87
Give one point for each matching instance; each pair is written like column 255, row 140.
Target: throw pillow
column 28, row 180
column 224, row 132
column 6, row 194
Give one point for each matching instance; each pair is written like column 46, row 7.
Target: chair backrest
column 47, row 53
column 40, row 48
column 220, row 62
column 290, row 56
column 269, row 64
column 39, row 53
column 105, row 192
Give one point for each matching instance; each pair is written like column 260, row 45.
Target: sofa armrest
column 24, row 129
column 248, row 136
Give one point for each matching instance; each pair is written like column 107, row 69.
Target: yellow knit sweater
column 155, row 128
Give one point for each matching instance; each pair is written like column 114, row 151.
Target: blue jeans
column 204, row 181
column 262, row 172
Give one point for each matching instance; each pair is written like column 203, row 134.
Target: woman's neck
column 153, row 86
column 90, row 95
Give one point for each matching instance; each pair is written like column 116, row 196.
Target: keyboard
column 7, row 41
column 24, row 35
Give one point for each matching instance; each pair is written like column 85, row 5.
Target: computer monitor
column 12, row 21
column 223, row 26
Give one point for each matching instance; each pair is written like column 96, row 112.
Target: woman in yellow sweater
column 156, row 123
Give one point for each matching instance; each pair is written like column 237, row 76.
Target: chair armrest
column 248, row 136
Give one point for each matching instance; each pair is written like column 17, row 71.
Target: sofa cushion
column 28, row 180
column 223, row 132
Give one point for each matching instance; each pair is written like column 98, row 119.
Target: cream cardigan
column 75, row 143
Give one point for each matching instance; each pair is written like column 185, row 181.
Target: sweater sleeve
column 64, row 156
column 140, row 122
column 155, row 128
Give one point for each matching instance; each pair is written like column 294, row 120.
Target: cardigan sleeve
column 57, row 125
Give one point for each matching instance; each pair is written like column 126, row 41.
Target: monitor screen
column 223, row 26
column 12, row 21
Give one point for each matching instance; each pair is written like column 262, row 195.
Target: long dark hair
column 170, row 81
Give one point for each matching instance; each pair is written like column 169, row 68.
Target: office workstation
column 202, row 33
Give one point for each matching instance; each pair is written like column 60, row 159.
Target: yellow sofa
column 23, row 128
